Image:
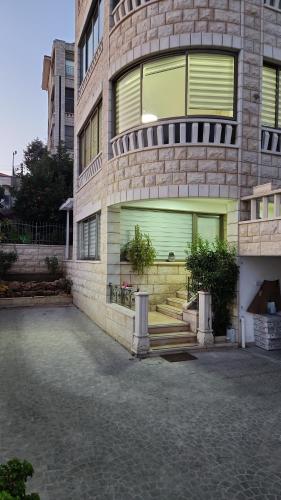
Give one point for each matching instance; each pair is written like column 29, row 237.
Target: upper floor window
column 69, row 100
column 92, row 37
column 196, row 84
column 69, row 137
column 69, row 68
column 271, row 97
column 90, row 138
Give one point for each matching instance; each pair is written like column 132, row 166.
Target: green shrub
column 13, row 477
column 6, row 261
column 214, row 269
column 139, row 251
column 53, row 265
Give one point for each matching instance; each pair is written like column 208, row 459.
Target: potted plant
column 140, row 251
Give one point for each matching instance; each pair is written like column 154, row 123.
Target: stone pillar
column 140, row 345
column 205, row 333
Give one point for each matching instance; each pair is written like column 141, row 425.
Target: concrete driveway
column 97, row 424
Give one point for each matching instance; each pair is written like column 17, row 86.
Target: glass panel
column 96, row 33
column 82, row 151
column 271, row 207
column 85, row 242
column 163, row 88
column 101, row 19
column 279, row 99
column 208, row 228
column 268, row 96
column 128, row 101
column 90, row 46
column 94, row 124
column 92, row 238
column 88, row 144
column 259, row 208
column 69, row 68
column 210, row 85
column 100, row 128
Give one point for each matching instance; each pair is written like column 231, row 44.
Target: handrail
column 197, row 131
column 271, row 140
column 125, row 7
column 90, row 171
column 274, row 4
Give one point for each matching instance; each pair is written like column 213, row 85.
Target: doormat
column 181, row 356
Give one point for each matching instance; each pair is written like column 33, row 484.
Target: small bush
column 13, row 477
column 53, row 265
column 140, row 251
column 6, row 261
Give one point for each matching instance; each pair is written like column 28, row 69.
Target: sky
column 27, row 30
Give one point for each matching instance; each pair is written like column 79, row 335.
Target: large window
column 170, row 231
column 271, row 97
column 69, row 137
column 89, row 238
column 193, row 84
column 92, row 37
column 90, row 138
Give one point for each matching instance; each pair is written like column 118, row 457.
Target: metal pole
column 67, row 236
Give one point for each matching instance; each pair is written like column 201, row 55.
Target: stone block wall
column 161, row 280
column 262, row 238
column 120, row 324
column 31, row 258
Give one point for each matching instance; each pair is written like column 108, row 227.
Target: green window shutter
column 268, row 96
column 208, row 228
column 88, row 144
column 163, row 88
column 279, row 101
column 169, row 231
column 100, row 128
column 210, row 88
column 128, row 101
column 92, row 237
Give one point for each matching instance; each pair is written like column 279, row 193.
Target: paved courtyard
column 97, row 424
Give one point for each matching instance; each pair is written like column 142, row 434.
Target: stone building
column 58, row 81
column 177, row 118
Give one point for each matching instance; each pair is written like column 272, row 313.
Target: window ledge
column 90, row 70
column 87, row 261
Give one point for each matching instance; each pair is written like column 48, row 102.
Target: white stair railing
column 90, row 171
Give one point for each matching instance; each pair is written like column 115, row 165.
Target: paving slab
column 99, row 424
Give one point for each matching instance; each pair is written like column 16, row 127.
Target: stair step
column 172, row 338
column 182, row 294
column 171, row 349
column 176, row 302
column 167, row 328
column 172, row 311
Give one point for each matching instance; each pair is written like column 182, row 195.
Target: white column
column 140, row 345
column 205, row 333
column 277, row 205
column 67, row 236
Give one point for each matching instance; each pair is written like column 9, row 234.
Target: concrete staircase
column 172, row 334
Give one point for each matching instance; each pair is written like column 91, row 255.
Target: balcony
column 260, row 235
column 126, row 7
column 275, row 4
column 89, row 172
column 271, row 140
column 189, row 132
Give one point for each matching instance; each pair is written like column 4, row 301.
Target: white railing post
column 277, row 205
column 253, row 209
column 140, row 344
column 205, row 333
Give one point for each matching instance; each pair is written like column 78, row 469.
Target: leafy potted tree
column 139, row 251
column 214, row 269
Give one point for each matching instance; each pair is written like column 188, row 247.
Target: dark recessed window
column 89, row 238
column 69, row 137
column 69, row 100
column 92, row 37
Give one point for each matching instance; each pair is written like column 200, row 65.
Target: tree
column 2, row 192
column 45, row 186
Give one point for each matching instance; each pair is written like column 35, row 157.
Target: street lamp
column 14, row 154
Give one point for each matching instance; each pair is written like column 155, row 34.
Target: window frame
column 277, row 69
column 82, row 133
column 171, row 54
column 88, row 220
column 94, row 15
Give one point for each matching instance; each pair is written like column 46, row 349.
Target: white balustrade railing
column 271, row 140
column 90, row 171
column 125, row 7
column 275, row 4
column 168, row 133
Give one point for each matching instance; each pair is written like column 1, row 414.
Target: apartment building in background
column 58, row 81
column 178, row 130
